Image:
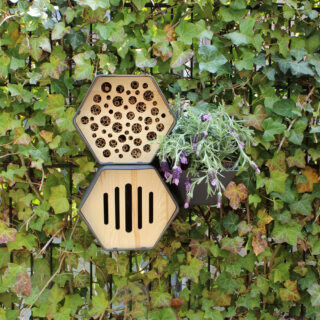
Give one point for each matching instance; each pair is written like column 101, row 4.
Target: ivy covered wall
column 257, row 256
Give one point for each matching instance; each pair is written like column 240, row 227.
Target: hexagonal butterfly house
column 128, row 207
column 121, row 116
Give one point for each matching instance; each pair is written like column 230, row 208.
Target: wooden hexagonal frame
column 128, row 207
column 122, row 116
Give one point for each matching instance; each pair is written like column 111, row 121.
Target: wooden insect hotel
column 127, row 205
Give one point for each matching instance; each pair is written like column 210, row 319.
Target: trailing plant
column 207, row 141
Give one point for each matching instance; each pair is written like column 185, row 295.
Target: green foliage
column 254, row 258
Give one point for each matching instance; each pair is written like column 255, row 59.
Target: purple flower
column 255, row 167
column 176, row 172
column 206, row 117
column 213, row 178
column 204, row 134
column 164, row 166
column 167, row 175
column 195, row 142
column 187, row 203
column 233, row 133
column 183, row 158
column 187, row 184
column 219, row 199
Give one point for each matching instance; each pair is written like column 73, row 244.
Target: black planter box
column 200, row 190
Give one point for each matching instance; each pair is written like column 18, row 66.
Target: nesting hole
column 100, row 142
column 105, row 120
column 154, row 103
column 132, row 100
column 120, row 89
column 137, row 142
column 110, row 135
column 130, row 115
column 130, row 138
column 146, row 128
column 117, row 127
column 151, row 136
column 106, row 105
column 157, row 120
column 148, row 120
column 126, row 132
column 104, row 131
column 108, row 97
column 141, row 107
column 128, row 92
column 160, row 127
column 111, row 111
column 118, row 115
column 94, row 126
column 154, row 111
column 97, row 98
column 128, row 124
column 94, row 135
column 134, row 85
column 136, row 128
column 140, row 118
column 95, row 109
column 117, row 101
column 125, row 107
column 136, row 153
column 91, row 118
column 126, row 148
column 163, row 115
column 84, row 120
column 145, row 86
column 116, row 151
column 106, row 87
column 148, row 95
column 120, row 156
column 122, row 138
column 137, row 92
column 113, row 143
column 106, row 153
column 146, row 148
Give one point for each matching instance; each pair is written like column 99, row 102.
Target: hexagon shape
column 121, row 116
column 128, row 207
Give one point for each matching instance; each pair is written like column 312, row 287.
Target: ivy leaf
column 314, row 153
column 21, row 137
column 160, row 299
column 272, row 127
column 243, row 228
column 22, row 284
column 7, row 234
column 298, row 160
column 99, row 303
column 186, row 32
column 314, row 292
column 233, row 245
column 259, row 244
column 162, row 314
column 238, row 38
column 236, row 194
column 108, row 62
column 255, row 120
column 140, row 3
column 58, row 199
column 56, row 106
column 192, row 270
column 211, row 59
column 59, row 31
column 180, row 55
column 286, row 108
column 142, row 61
column 54, row 68
column 84, row 68
column 276, row 182
column 76, row 38
column 230, row 221
column 312, row 177
column 287, row 233
column 290, row 292
column 17, row 90
column 303, row 205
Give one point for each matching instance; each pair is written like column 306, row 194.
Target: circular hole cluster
column 154, row 111
column 126, row 148
column 118, row 115
column 160, row 127
column 120, row 89
column 136, row 128
column 113, row 143
column 117, row 127
column 137, row 142
column 151, row 136
column 100, row 142
column 95, row 109
column 106, row 153
column 148, row 120
column 117, row 101
column 97, row 98
column 136, row 153
column 147, row 148
column 84, row 120
column 94, row 126
column 141, row 107
column 105, row 120
column 106, row 87
column 132, row 100
column 134, row 84
column 130, row 115
column 148, row 95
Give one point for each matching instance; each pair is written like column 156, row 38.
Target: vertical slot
column 140, row 208
column 117, row 207
column 128, row 194
column 150, row 207
column 105, row 208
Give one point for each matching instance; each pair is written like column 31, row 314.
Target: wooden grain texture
column 121, row 127
column 107, row 234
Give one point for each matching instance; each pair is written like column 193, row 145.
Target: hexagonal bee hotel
column 121, row 116
column 127, row 205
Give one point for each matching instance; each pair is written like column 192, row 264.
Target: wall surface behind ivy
column 257, row 260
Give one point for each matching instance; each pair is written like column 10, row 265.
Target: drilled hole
column 95, row 109
column 106, row 87
column 148, row 95
column 117, row 101
column 125, row 107
column 128, row 92
column 94, row 135
column 91, row 118
column 100, row 142
column 128, row 124
column 157, row 120
column 111, row 111
column 132, row 99
column 163, row 115
column 140, row 118
column 120, row 89
column 146, row 148
column 120, row 156
column 126, row 132
column 145, row 86
column 148, row 120
column 105, row 120
column 117, row 127
column 107, row 153
column 116, row 151
column 137, row 92
column 154, row 111
column 151, row 136
column 108, row 97
column 141, row 107
column 146, row 128
column 130, row 115
column 97, row 98
column 118, row 115
column 94, row 126
column 134, row 84
column 125, row 148
column 137, row 142
column 130, row 138
column 160, row 127
column 136, row 153
column 84, row 120
column 110, row 135
column 113, row 143
column 154, row 103
column 122, row 138
column 106, row 105
column 104, row 131
column 136, row 128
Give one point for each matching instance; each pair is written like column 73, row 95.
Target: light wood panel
column 122, row 116
column 92, row 208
